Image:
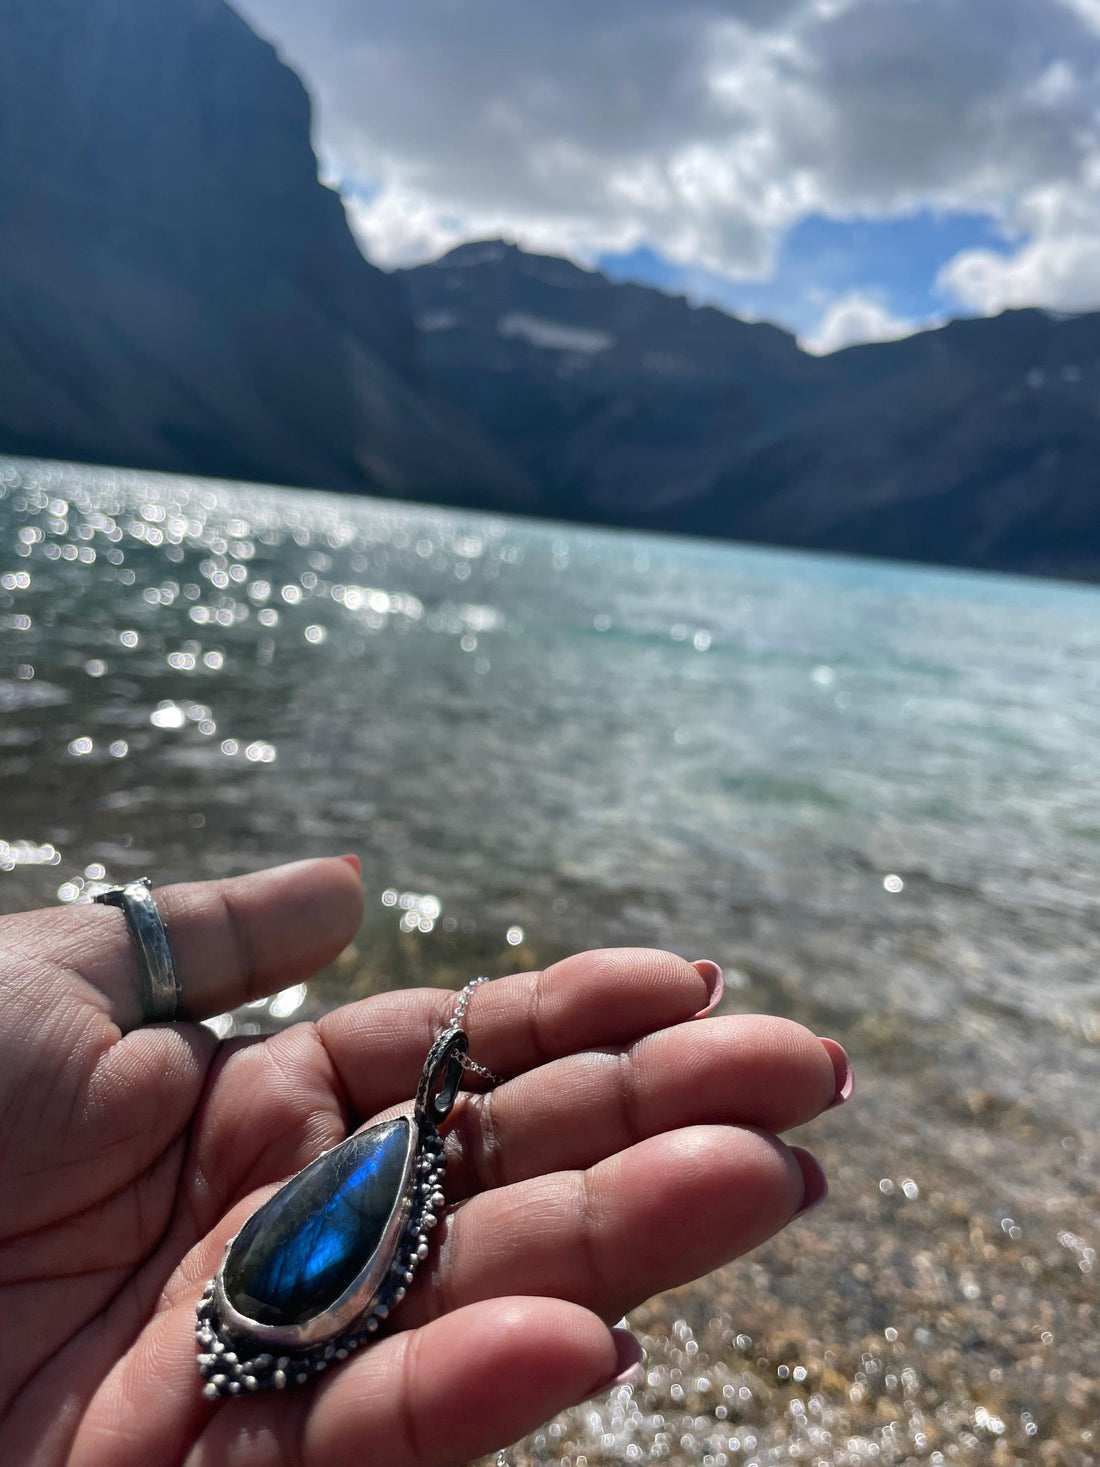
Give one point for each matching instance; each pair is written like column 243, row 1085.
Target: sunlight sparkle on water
column 27, row 853
column 419, row 910
column 168, row 715
column 288, row 1002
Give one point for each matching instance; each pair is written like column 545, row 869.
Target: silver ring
column 160, row 988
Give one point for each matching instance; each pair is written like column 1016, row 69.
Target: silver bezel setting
column 238, row 1354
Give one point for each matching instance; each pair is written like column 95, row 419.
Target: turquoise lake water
column 887, row 776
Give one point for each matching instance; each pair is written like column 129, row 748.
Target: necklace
column 317, row 1268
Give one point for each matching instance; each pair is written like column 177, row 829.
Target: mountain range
column 178, row 291
column 974, row 444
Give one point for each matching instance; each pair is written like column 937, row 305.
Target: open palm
column 627, row 1151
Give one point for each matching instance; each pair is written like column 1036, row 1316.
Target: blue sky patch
column 894, row 261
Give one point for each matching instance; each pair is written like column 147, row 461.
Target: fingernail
column 815, row 1184
column 629, row 1366
column 355, row 864
column 711, row 975
column 842, row 1068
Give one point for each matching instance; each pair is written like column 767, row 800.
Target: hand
column 631, row 1148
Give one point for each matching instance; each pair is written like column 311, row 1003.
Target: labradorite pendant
column 314, row 1272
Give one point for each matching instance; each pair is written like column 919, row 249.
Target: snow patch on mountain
column 438, row 321
column 554, row 335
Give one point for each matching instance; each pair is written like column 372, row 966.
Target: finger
column 270, row 1108
column 293, row 1081
column 444, row 1394
column 610, row 996
column 231, row 941
column 652, row 1217
column 667, row 1210
column 465, row 1385
column 748, row 1070
column 710, row 1192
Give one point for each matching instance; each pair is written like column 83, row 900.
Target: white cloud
column 397, row 226
column 1060, row 273
column 1088, row 10
column 703, row 128
column 1056, row 264
column 852, row 319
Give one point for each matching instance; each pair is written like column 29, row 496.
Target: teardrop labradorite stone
column 298, row 1253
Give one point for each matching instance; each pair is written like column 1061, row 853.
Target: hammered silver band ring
column 160, row 988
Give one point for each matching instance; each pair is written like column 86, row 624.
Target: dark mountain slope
column 976, row 444
column 622, row 402
column 177, row 290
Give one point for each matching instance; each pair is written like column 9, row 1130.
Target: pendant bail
column 439, row 1084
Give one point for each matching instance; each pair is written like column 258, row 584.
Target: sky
column 851, row 169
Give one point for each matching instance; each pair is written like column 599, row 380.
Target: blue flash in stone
column 301, row 1251
column 316, row 1269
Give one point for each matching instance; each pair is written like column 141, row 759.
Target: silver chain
column 462, row 1003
